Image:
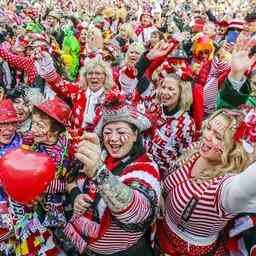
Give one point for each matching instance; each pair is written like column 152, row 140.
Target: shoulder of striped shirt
column 145, row 170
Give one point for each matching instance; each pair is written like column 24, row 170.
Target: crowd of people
column 148, row 110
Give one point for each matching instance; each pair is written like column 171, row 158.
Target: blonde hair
column 185, row 88
column 91, row 65
column 233, row 159
column 134, row 47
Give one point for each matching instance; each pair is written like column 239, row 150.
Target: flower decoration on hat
column 114, row 100
column 116, row 109
column 246, row 131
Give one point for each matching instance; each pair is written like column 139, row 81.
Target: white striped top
column 208, row 217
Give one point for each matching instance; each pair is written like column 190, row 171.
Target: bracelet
column 100, row 175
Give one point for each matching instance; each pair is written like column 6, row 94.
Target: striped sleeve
column 143, row 178
column 137, row 211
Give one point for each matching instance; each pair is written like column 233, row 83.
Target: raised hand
column 161, row 49
column 240, row 61
column 88, row 152
column 44, row 64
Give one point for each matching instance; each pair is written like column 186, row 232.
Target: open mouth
column 94, row 82
column 165, row 99
column 115, row 147
column 205, row 148
column 20, row 113
column 133, row 59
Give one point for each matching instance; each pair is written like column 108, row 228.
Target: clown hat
column 57, row 109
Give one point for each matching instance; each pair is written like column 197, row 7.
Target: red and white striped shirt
column 141, row 172
column 208, row 217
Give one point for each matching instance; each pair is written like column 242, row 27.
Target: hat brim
column 50, row 115
column 142, row 123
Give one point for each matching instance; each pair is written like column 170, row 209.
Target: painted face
column 7, row 132
column 118, row 138
column 96, row 78
column 133, row 57
column 169, row 93
column 212, row 145
column 204, row 54
column 41, row 129
column 22, row 108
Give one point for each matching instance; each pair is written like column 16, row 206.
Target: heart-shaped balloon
column 25, row 174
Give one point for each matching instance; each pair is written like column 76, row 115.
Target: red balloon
column 25, row 174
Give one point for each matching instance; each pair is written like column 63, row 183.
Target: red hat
column 57, row 109
column 8, row 112
column 198, row 25
column 223, row 24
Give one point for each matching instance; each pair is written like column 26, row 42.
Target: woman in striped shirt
column 115, row 201
column 209, row 186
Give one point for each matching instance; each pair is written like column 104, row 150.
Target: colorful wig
column 202, row 44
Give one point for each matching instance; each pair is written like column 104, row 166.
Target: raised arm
column 237, row 88
column 64, row 89
column 238, row 193
column 20, row 63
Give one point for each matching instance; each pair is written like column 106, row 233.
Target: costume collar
column 57, row 152
column 90, row 93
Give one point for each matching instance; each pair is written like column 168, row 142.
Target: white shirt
column 92, row 100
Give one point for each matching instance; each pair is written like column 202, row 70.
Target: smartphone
column 232, row 37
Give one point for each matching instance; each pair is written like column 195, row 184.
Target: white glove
column 44, row 64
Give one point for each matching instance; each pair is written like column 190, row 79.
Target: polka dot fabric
column 20, row 63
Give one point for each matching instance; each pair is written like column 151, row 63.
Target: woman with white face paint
column 209, row 185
